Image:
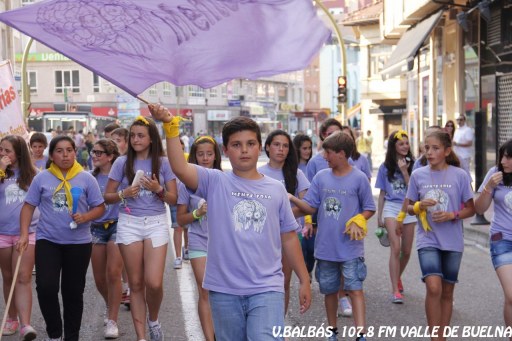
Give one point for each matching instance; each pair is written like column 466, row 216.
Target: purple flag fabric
column 135, row 44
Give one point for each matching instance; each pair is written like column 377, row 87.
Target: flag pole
column 142, row 100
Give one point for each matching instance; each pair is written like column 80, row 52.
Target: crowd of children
column 60, row 217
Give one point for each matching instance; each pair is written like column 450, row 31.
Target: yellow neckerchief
column 72, row 172
column 360, row 221
column 422, row 214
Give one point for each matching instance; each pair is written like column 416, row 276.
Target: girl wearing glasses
column 106, row 259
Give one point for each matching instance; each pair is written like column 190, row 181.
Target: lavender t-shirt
column 111, row 210
column 450, row 188
column 302, row 183
column 12, row 198
column 146, row 203
column 396, row 189
column 363, row 165
column 502, row 218
column 304, row 168
column 41, row 164
column 244, row 243
column 55, row 212
column 198, row 230
column 335, row 198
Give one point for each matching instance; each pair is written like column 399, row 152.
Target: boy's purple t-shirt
column 146, row 203
column 302, row 183
column 363, row 165
column 396, row 189
column 111, row 210
column 244, row 243
column 417, row 164
column 502, row 218
column 198, row 230
column 55, row 212
column 450, row 188
column 338, row 198
column 12, row 198
column 41, row 164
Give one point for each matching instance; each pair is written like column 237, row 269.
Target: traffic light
column 342, row 89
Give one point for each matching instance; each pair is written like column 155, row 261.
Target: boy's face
column 37, row 149
column 243, row 150
column 334, row 159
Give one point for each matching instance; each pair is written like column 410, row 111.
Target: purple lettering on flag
column 135, row 44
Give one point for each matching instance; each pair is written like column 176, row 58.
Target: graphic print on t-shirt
column 398, row 186
column 14, row 194
column 332, row 207
column 249, row 213
column 59, row 202
column 441, row 198
column 508, row 201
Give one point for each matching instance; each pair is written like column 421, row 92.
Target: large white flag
column 11, row 116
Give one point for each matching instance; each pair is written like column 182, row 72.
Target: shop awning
column 402, row 58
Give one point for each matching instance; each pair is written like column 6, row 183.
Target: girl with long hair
column 449, row 127
column 435, row 194
column 16, row 175
column 106, row 260
column 142, row 228
column 192, row 211
column 497, row 188
column 392, row 180
column 283, row 166
column 68, row 199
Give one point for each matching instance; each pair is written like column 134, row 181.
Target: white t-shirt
column 463, row 135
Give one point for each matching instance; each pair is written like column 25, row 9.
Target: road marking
column 188, row 293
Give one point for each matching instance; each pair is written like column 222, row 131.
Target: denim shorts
column 435, row 262
column 174, row 217
column 102, row 235
column 501, row 252
column 328, row 274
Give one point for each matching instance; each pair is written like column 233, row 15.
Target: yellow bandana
column 72, row 172
column 422, row 215
column 400, row 135
column 360, row 221
column 172, row 129
column 205, row 137
column 142, row 119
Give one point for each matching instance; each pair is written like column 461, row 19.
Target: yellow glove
column 360, row 221
column 172, row 129
column 422, row 215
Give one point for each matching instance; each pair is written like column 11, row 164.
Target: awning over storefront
column 402, row 58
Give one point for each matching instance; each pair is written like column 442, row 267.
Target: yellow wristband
column 194, row 214
column 401, row 216
column 2, row 174
column 416, row 208
column 172, row 129
column 308, row 219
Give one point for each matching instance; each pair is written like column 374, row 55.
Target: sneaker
column 111, row 330
column 155, row 332
column 397, row 298
column 125, row 298
column 345, row 307
column 400, row 286
column 11, row 326
column 184, row 253
column 334, row 336
column 177, row 263
column 27, row 333
column 361, row 338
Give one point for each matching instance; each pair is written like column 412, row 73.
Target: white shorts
column 132, row 229
column 391, row 210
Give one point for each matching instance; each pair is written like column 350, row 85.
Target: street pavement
column 478, row 300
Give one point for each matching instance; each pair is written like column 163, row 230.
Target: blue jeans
column 250, row 318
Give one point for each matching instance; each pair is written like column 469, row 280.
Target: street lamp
column 343, row 51
column 25, row 90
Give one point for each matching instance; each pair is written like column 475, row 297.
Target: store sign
column 42, row 57
column 219, row 115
